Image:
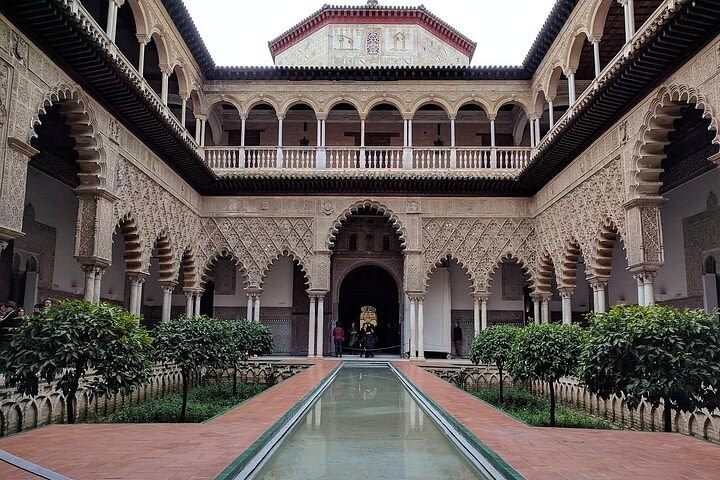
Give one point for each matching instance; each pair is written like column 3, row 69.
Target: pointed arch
column 369, row 204
column 80, row 117
column 649, row 151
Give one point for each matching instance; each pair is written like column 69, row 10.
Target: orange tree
column 492, row 346
column 658, row 353
column 66, row 343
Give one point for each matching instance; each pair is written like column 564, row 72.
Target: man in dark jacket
column 457, row 339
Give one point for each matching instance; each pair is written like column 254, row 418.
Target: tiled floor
column 563, row 453
column 192, row 451
column 158, row 451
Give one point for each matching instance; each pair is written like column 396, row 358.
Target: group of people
column 11, row 315
column 365, row 340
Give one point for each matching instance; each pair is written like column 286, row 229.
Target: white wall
column 460, row 288
column 56, row 206
column 684, row 201
column 496, row 302
column 622, row 287
column 436, row 315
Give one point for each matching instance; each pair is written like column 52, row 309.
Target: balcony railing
column 482, row 159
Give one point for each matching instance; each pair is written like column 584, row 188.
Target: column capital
column 644, row 276
column 142, row 38
column 451, row 117
column 566, row 292
column 137, row 277
column 321, row 116
column 415, row 296
column 480, row 295
column 165, row 69
column 541, row 296
column 201, row 116
column 598, row 282
column 168, row 285
column 570, row 71
column 280, row 117
column 595, row 38
column 253, row 290
column 492, row 116
column 317, row 293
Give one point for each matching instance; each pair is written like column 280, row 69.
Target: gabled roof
column 372, row 13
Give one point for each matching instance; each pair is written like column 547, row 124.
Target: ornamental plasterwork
column 255, row 242
column 156, row 212
column 579, row 215
column 480, row 244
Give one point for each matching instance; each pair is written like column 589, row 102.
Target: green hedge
column 534, row 410
column 204, row 402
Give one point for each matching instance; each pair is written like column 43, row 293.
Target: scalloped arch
column 648, row 152
column 462, row 264
column 348, row 212
column 213, row 258
column 132, row 237
column 286, row 252
column 605, row 239
column 530, row 277
column 81, row 119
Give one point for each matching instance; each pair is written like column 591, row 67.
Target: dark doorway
column 372, row 286
column 207, row 300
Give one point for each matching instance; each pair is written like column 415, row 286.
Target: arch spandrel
column 370, row 204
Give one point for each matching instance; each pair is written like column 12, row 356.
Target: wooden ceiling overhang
column 86, row 58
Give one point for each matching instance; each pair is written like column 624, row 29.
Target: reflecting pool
column 366, row 425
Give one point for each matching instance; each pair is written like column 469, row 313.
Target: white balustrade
column 298, row 158
column 384, row 158
column 260, row 157
column 435, row 158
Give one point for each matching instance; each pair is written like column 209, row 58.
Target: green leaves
column 493, row 345
column 545, row 352
column 78, row 337
column 659, row 353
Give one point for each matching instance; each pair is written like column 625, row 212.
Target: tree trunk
column 184, row 376
column 552, row 403
column 235, row 380
column 667, row 415
column 501, row 382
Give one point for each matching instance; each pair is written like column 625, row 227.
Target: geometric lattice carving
column 256, row 242
column 479, row 245
column 578, row 217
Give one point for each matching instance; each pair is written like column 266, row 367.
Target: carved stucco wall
column 373, row 45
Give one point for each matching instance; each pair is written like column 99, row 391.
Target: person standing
column 338, row 335
column 457, row 339
column 370, row 342
column 353, row 336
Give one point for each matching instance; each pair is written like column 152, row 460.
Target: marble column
column 571, row 87
column 598, row 287
column 167, row 289
column 256, row 308
column 280, row 160
column 311, row 326
column 545, row 308
column 136, row 285
column 198, row 297
column 164, row 87
column 413, row 340
column 89, row 282
column 476, row 315
column 640, row 279
column 596, row 56
column 320, row 351
column 566, row 296
column 249, row 312
column 99, row 271
column 421, row 328
column 537, row 300
column 484, row 312
column 188, row 304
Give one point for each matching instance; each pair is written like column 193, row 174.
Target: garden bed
column 535, row 410
column 204, row 402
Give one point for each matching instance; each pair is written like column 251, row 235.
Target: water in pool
column 366, row 426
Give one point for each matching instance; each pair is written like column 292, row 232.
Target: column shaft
column 492, row 132
column 256, row 308
column 320, row 349
column 141, row 59
column 596, row 57
column 89, row 283
column 166, row 303
column 476, row 316
column 164, row 88
column 188, row 304
column 413, row 350
column 421, row 329
column 537, row 131
column 452, row 132
column 198, row 297
column 571, row 88
column 536, row 310
column 362, row 132
column 483, row 313
column 551, row 114
column 249, row 312
column 640, row 289
column 98, row 285
column 183, row 114
column 311, row 327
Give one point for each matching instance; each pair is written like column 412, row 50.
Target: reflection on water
column 366, row 426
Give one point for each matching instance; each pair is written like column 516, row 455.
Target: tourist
column 457, row 340
column 353, row 336
column 369, row 342
column 37, row 308
column 20, row 313
column 47, row 303
column 338, row 335
column 363, row 338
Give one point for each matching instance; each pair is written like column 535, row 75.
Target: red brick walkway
column 158, row 451
column 201, row 451
column 559, row 454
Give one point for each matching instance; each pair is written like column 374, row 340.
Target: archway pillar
column 316, row 323
column 94, row 228
column 566, row 296
column 311, row 325
column 137, row 279
column 599, row 287
column 167, row 289
column 188, row 302
column 644, row 244
column 537, row 301
column 417, row 325
column 198, row 297
column 480, row 314
column 13, row 180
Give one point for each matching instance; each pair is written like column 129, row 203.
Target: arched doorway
column 371, row 285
